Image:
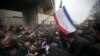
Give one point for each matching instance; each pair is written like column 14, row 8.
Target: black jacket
column 95, row 50
column 80, row 47
column 55, row 51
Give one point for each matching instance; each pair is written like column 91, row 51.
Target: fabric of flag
column 64, row 21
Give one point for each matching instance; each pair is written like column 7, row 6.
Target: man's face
column 5, row 43
column 71, row 40
column 27, row 44
column 79, row 32
column 86, row 25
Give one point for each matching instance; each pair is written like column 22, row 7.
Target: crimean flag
column 64, row 21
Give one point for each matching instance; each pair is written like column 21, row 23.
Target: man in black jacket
column 9, row 47
column 95, row 50
column 78, row 45
column 55, row 51
column 53, row 48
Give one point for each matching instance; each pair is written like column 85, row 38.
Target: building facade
column 33, row 16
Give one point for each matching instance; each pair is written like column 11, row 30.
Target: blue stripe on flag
column 67, row 15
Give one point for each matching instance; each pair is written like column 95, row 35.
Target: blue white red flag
column 64, row 21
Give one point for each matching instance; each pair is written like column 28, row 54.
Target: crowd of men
column 22, row 41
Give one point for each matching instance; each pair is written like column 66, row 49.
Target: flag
column 64, row 21
column 60, row 4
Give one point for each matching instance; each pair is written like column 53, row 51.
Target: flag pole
column 60, row 6
column 41, row 23
column 48, row 17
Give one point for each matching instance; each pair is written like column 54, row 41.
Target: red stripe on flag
column 61, row 28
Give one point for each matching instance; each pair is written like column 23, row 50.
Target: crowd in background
column 23, row 41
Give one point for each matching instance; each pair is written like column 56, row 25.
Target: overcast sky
column 78, row 9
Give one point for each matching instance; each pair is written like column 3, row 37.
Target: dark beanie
column 50, row 39
column 96, row 24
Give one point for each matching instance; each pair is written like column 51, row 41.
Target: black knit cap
column 96, row 23
column 1, row 36
column 71, row 35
